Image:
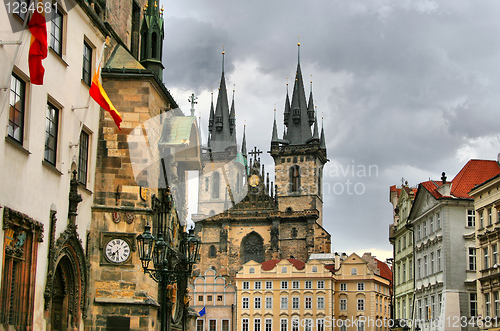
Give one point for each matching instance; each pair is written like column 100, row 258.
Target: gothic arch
column 67, row 278
column 252, row 248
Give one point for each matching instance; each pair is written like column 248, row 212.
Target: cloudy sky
column 407, row 89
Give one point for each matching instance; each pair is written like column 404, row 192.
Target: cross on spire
column 255, row 153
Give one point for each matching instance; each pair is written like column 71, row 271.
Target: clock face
column 254, row 180
column 117, row 250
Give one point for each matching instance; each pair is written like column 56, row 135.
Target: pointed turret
column 152, row 34
column 286, row 117
column 299, row 128
column 232, row 121
column 274, row 139
column 244, row 143
column 315, row 137
column 322, row 142
column 310, row 106
column 223, row 137
column 212, row 115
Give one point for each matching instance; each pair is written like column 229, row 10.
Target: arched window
column 215, row 185
column 143, row 46
column 295, row 178
column 251, row 270
column 212, row 252
column 252, row 248
column 354, row 271
column 154, row 43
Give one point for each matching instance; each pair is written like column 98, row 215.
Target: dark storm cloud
column 404, row 85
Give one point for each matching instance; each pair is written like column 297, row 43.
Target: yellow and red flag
column 99, row 95
column 38, row 44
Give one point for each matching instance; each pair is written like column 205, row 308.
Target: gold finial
column 223, row 50
column 108, row 40
column 156, row 4
column 145, row 7
column 298, row 40
column 162, row 9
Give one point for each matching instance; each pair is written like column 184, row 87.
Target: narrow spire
column 315, row 136
column 310, row 106
column 274, row 138
column 223, row 53
column 298, row 48
column 212, row 114
column 322, row 142
column 244, row 142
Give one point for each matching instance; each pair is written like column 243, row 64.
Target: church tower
column 222, row 181
column 152, row 34
column 300, row 156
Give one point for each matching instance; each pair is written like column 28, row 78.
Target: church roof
column 122, row 59
column 270, row 264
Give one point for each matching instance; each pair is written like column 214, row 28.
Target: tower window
column 295, row 178
column 294, row 232
column 215, row 185
column 212, row 252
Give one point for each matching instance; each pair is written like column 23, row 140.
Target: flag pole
column 87, row 106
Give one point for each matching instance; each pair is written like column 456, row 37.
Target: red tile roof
column 270, row 264
column 385, row 271
column 473, row 173
column 393, row 188
column 330, row 267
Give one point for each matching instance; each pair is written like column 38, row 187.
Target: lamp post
column 169, row 266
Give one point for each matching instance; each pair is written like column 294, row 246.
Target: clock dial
column 117, row 250
column 254, row 180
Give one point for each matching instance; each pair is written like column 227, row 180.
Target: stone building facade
column 242, row 216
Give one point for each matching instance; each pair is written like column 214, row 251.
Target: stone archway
column 252, row 248
column 62, row 294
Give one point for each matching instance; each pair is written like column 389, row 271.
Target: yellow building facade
column 362, row 294
column 284, row 295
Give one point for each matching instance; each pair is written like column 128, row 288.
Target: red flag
column 99, row 95
column 38, row 44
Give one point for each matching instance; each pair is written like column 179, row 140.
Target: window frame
column 12, row 126
column 295, row 302
column 361, row 286
column 83, row 158
column 60, row 31
column 283, row 302
column 471, row 218
column 308, row 302
column 268, row 303
column 87, row 76
column 320, row 302
column 51, row 122
column 245, row 303
column 308, row 284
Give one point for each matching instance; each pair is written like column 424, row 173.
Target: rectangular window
column 433, row 307
column 199, row 325
column 438, row 220
column 308, row 303
column 257, row 285
column 283, row 270
column 431, row 224
column 321, row 303
column 473, row 304
column 471, row 218
column 269, row 303
column 404, row 242
column 209, row 298
column 225, row 325
column 87, row 63
column 246, row 285
column 308, row 284
column 343, row 304
column 19, row 11
column 490, row 218
column 438, row 253
column 295, row 324
column 83, row 157
column 245, row 302
column 51, row 128
column 283, row 325
column 399, row 245
column 361, row 326
column 284, row 303
column 486, row 259
column 494, row 258
column 295, row 284
column 269, row 324
column 404, row 272
column 295, row 303
column 498, row 214
column 256, row 303
column 432, row 263
column 284, row 285
column 308, row 324
column 321, row 284
column 343, row 286
column 219, row 297
column 200, row 298
column 472, row 258
column 320, row 325
column 361, row 304
column 17, row 104
column 361, row 286
column 269, row 285
column 410, row 269
column 56, row 31
column 487, row 304
column 481, row 219
column 244, row 324
column 419, row 235
column 343, row 327
column 212, row 324
column 419, row 269
column 497, row 304
column 256, row 324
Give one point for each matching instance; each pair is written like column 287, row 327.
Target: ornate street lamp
column 169, row 267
